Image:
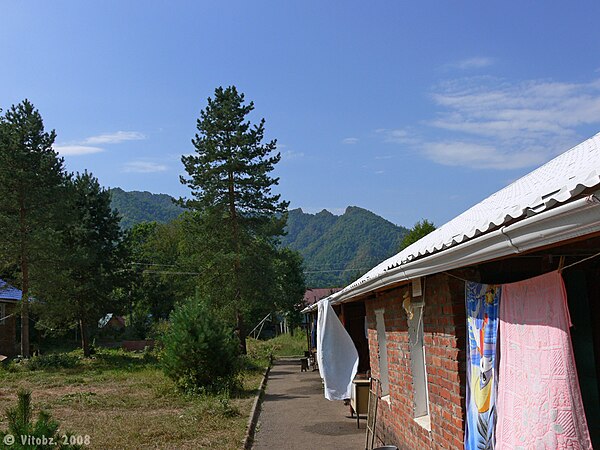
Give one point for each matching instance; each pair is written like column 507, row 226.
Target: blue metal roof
column 8, row 292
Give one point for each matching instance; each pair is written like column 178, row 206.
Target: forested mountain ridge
column 336, row 249
column 136, row 206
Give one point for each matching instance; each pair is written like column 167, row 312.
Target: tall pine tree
column 229, row 176
column 31, row 184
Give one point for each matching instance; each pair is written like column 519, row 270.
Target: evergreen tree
column 45, row 429
column 92, row 256
column 230, row 183
column 31, row 182
column 200, row 351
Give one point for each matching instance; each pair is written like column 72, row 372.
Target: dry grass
column 125, row 402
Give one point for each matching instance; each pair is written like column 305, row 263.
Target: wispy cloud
column 397, row 136
column 74, row 150
column 289, row 155
column 115, row 138
column 478, row 156
column 350, row 140
column 491, row 123
column 90, row 144
column 472, row 63
column 144, row 167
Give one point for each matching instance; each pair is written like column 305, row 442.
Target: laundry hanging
column 539, row 401
column 336, row 354
column 482, row 324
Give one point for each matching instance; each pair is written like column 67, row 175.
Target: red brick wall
column 8, row 330
column 445, row 340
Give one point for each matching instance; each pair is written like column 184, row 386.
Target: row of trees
column 60, row 238
column 62, row 243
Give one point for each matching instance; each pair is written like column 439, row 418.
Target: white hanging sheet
column 336, row 354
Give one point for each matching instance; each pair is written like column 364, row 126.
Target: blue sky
column 410, row 109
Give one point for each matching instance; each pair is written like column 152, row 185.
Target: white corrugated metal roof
column 556, row 182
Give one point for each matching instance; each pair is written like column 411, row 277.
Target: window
column 2, row 313
column 383, row 357
column 417, row 361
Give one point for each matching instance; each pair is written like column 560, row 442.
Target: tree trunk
column 85, row 343
column 237, row 265
column 25, row 320
column 25, row 279
column 242, row 331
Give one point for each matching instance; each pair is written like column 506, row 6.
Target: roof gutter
column 572, row 220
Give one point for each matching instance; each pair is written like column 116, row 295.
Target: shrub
column 43, row 432
column 200, row 353
column 53, row 361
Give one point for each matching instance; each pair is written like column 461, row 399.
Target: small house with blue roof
column 9, row 305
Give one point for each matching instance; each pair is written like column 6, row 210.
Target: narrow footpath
column 296, row 415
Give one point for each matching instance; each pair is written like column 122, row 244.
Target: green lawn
column 124, row 401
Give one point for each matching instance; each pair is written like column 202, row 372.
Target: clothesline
column 560, row 268
column 583, row 260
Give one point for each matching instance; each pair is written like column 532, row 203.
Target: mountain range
column 336, row 249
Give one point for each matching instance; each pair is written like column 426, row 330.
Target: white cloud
column 144, row 167
column 350, row 140
column 494, row 124
column 456, row 153
column 397, row 136
column 528, row 110
column 73, row 150
column 89, row 145
column 291, row 155
column 115, row 138
column 473, row 63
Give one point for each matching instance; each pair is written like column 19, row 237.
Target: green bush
column 53, row 361
column 200, row 354
column 43, row 433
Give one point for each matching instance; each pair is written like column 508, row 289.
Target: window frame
column 384, row 373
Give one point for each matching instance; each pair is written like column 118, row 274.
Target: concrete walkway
column 296, row 415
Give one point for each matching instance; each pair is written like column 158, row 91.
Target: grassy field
column 282, row 345
column 124, row 401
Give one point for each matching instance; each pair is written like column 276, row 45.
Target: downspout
column 509, row 240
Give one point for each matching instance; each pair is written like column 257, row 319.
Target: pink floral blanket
column 539, row 401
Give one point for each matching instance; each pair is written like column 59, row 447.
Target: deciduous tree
column 421, row 229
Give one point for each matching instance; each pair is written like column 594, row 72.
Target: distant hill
column 136, row 207
column 336, row 249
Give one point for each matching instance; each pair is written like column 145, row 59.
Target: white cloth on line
column 336, row 354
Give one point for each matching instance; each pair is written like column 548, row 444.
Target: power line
column 337, row 270
column 169, row 272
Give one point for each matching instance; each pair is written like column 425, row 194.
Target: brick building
column 414, row 302
column 9, row 298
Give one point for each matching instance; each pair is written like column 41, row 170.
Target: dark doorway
column 583, row 293
column 354, row 321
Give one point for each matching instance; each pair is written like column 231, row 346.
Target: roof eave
column 565, row 222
